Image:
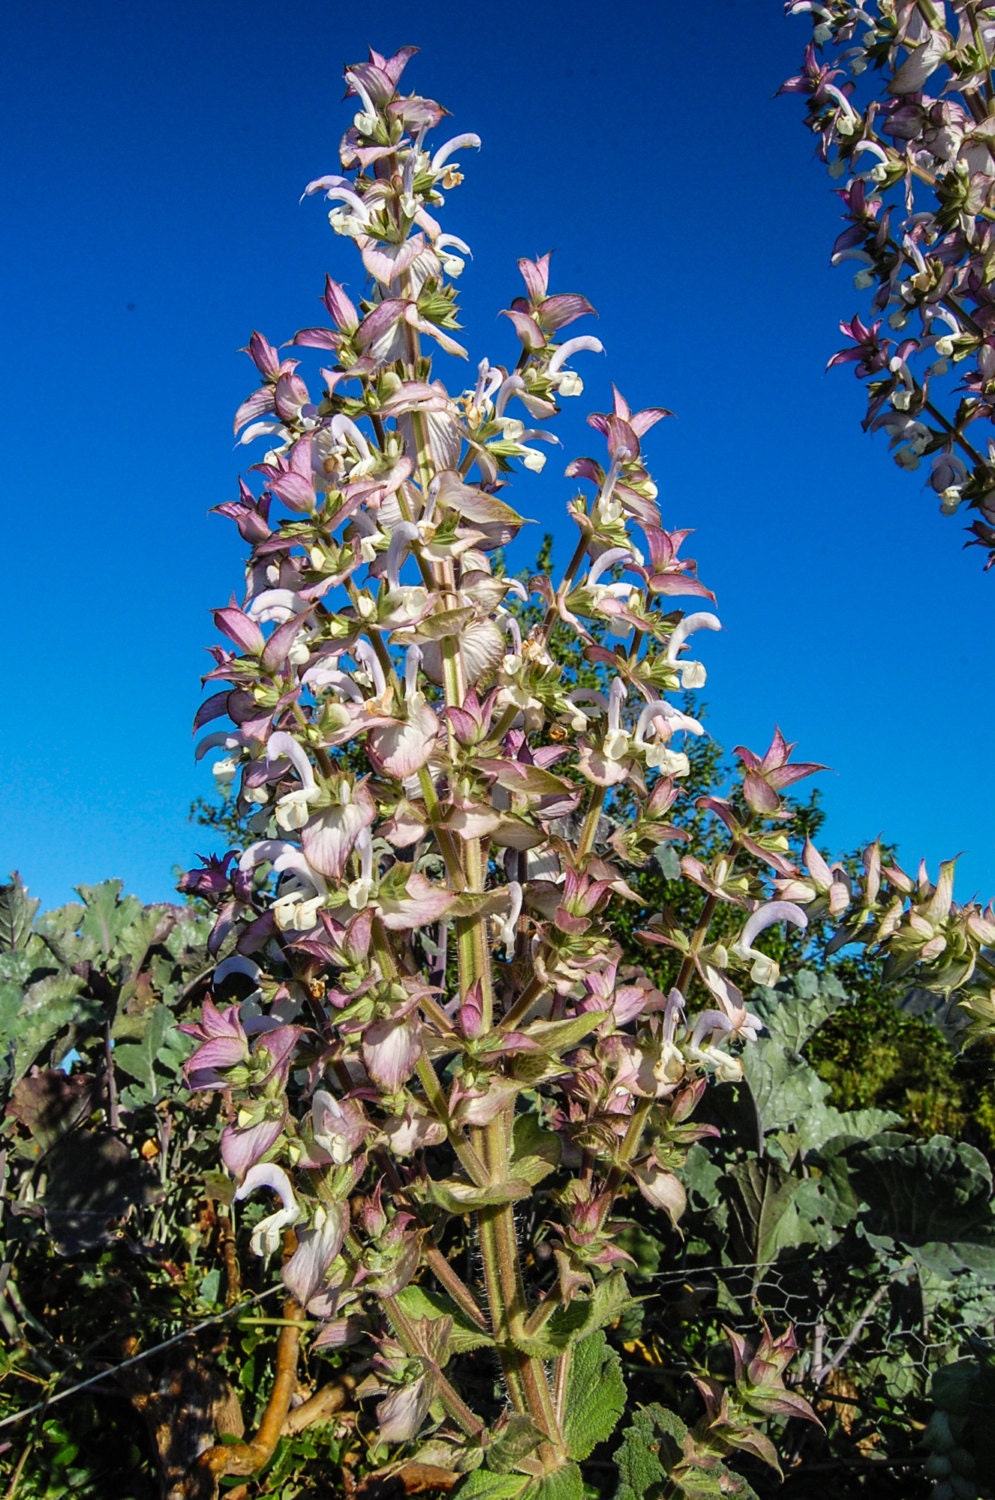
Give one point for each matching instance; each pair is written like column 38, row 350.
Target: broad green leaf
column 849, row 1125
column 530, row 1139
column 138, row 1059
column 794, row 1011
column 444, row 622
column 533, row 781
column 17, row 914
column 59, row 929
column 106, row 917
column 579, row 1318
column 535, row 1152
column 188, row 935
column 763, row 1202
column 92, row 1180
column 651, row 1447
column 418, row 1301
column 668, row 860
column 645, row 1248
column 474, row 503
column 42, row 1011
column 787, row 1093
column 595, row 1395
column 566, row 1483
column 951, row 1261
column 701, row 1175
column 532, row 1169
column 838, row 1202
column 484, row 1484
column 16, row 967
column 50, row 1103
column 135, row 939
column 923, row 1191
column 515, row 1440
column 11, row 998
column 719, row 1483
column 557, row 1036
column 456, row 1197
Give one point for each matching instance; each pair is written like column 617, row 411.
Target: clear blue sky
column 153, row 158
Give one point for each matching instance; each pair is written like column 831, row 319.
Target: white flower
column 268, row 1233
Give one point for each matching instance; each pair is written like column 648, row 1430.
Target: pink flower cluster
column 919, row 206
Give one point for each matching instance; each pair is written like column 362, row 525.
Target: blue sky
column 153, row 159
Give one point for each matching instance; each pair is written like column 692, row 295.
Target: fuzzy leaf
column 794, row 1011
column 17, row 913
column 93, row 1181
column 787, row 1093
column 418, row 1301
column 535, row 1152
column 457, row 1197
column 517, row 1438
column 595, row 1395
column 50, row 1103
column 473, row 503
column 138, row 1059
column 484, row 1484
column 566, row 1483
column 718, row 1483
column 764, row 1205
column 106, row 917
column 443, row 623
column 553, row 1037
column 652, row 1453
column 31, row 1019
column 579, row 1319
column 920, row 1192
column 651, row 1447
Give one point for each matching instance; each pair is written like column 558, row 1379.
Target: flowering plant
column 443, row 1074
column 919, row 204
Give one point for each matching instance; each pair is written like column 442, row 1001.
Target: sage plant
column 441, row 1081
column 903, row 109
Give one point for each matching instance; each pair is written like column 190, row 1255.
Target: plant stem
column 451, row 1400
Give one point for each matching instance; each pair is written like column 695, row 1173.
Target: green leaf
column 17, row 914
column 793, row 1018
column 484, row 1484
column 645, row 1248
column 513, row 1441
column 651, row 1447
column 566, row 1483
column 763, row 1201
column 138, row 1059
column 553, row 1037
column 595, row 1395
column 719, row 1483
column 135, row 939
column 668, row 861
column 701, row 1176
column 31, row 1019
column 458, row 1197
column 106, row 917
column 530, row 1139
column 535, row 1152
column 787, row 1093
column 50, row 1103
column 444, row 622
column 952, row 1260
column 579, row 1318
column 16, row 967
column 418, row 1301
column 922, row 1191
